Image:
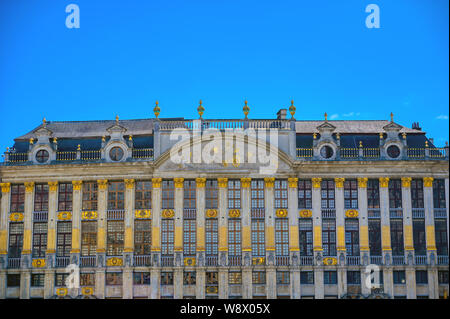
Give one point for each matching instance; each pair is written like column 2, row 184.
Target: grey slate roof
column 350, row 127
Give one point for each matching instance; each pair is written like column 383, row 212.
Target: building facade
column 348, row 202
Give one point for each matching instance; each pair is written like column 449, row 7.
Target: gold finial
column 117, row 118
column 314, row 135
column 55, row 139
column 381, row 136
column 31, row 141
column 326, row 116
column 44, row 121
column 156, row 109
column 338, row 136
column 245, row 109
column 79, row 147
column 130, row 138
column 200, row 109
column 103, row 138
column 7, row 149
column 292, row 108
column 392, row 117
column 360, row 144
column 404, row 135
column 426, row 143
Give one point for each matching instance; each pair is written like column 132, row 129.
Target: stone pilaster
column 340, row 220
column 2, row 283
column 342, row 280
column 200, row 204
column 385, row 221
column 102, row 224
column 317, row 232
column 156, row 225
column 49, row 283
column 247, row 283
column 271, row 282
column 429, row 220
column 269, row 197
column 178, row 240
column 363, row 222
column 200, row 278
column 294, row 247
column 27, row 225
column 127, row 283
column 410, row 278
column 4, row 209
column 178, row 283
column 246, row 236
column 223, row 224
column 25, row 282
column 51, row 233
column 433, row 283
column 388, row 281
column 76, row 222
column 223, row 283
column 295, row 283
column 100, row 277
column 129, row 223
column 155, row 282
column 407, row 217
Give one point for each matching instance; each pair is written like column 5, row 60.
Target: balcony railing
column 442, row 260
column 440, row 212
column 115, row 214
column 66, row 156
column 396, row 212
column 142, row 260
column 189, row 213
column 40, row 216
column 353, row 260
column 328, row 213
column 234, row 260
column 304, row 152
column 376, row 260
column 418, row 213
column 62, row 262
column 88, row 261
column 17, row 157
column 13, row 263
column 373, row 213
column 398, row 260
column 257, row 212
column 349, row 153
column 282, row 260
column 167, row 261
column 413, row 152
column 143, row 153
column 421, row 260
column 90, row 155
column 306, row 260
column 211, row 260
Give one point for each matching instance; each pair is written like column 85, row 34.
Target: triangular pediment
column 392, row 127
column 43, row 131
column 116, row 128
column 326, row 126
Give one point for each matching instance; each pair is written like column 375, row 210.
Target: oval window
column 42, row 156
column 116, row 154
column 326, row 151
column 393, row 151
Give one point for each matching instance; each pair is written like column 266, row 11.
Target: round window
column 42, row 156
column 116, row 153
column 326, row 151
column 393, row 151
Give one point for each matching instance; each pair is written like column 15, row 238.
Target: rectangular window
column 15, row 240
column 13, row 280
column 443, row 277
column 329, row 237
column 395, row 193
column 189, row 278
column 39, row 240
column 41, row 198
column 211, row 194
column 90, row 191
column 37, row 280
column 143, row 195
column 351, row 194
column 141, row 278
column 304, row 194
column 305, row 230
column 63, row 239
column 166, row 278
column 399, row 277
column 114, row 279
column 212, row 278
column 281, row 194
column 87, row 279
column 397, row 237
column 234, row 237
column 116, row 196
column 235, row 277
column 189, row 191
column 258, row 240
column 330, row 277
column 375, row 237
column 327, row 194
column 168, row 194
column 259, row 277
column 167, row 236
column 439, row 193
column 88, row 238
column 352, row 237
column 417, row 193
column 234, row 194
column 60, row 279
column 373, row 193
column 282, row 277
column 441, row 236
column 419, row 237
column 307, row 277
column 211, row 236
column 189, row 237
column 115, row 237
column 257, row 190
column 421, row 277
column 65, row 196
column 17, row 198
column 142, row 236
column 281, row 237
column 353, row 278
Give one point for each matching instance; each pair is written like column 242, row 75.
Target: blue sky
column 127, row 54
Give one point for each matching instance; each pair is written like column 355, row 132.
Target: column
column 100, row 283
column 340, row 227
column 433, row 285
column 363, row 221
column 178, row 240
column 386, row 236
column 128, row 249
column 49, row 283
column 447, row 202
column 25, row 281
column 156, row 241
column 410, row 274
column 317, row 232
column 51, row 238
column 246, row 237
column 155, row 283
column 100, row 275
column 223, row 238
column 76, row 221
column 27, row 225
column 200, row 269
column 4, row 208
column 269, row 198
column 294, row 247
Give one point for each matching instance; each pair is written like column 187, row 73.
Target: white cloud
column 334, row 116
column 442, row 117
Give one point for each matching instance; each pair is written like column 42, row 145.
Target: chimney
column 416, row 126
column 281, row 114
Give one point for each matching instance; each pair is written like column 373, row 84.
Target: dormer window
column 42, row 156
column 116, row 154
column 326, row 151
column 393, row 151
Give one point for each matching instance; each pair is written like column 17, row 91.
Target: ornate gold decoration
column 351, row 213
column 404, row 135
column 79, row 147
column 292, row 108
column 305, row 213
column 384, row 181
column 6, row 187
column 200, row 182
column 362, row 182
column 114, row 261
column 360, row 144
column 87, row 291
column 222, row 182
column 38, row 263
column 428, row 181
column 236, row 163
column 61, row 292
column 64, row 216
column 77, row 185
column 406, row 181
column 426, row 144
column 89, row 215
column 156, row 182
column 293, row 182
column 339, row 181
column 156, row 109
column 269, row 181
column 314, row 136
column 246, row 109
column 245, row 182
column 52, row 186
column 129, row 183
column 117, row 119
column 392, row 117
column 211, row 213
column 103, row 138
column 316, row 181
column 212, row 289
column 29, row 186
column 338, row 136
column 200, row 109
column 130, row 138
column 16, row 217
column 381, row 136
column 178, row 182
column 326, row 116
column 234, row 213
column 258, row 260
column 142, row 213
column 189, row 261
column 281, row 213
column 330, row 261
column 102, row 184
column 168, row 213
column 31, row 141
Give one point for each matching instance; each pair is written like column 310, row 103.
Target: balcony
column 142, row 260
column 440, row 212
column 88, row 261
column 40, row 216
column 376, row 260
column 211, row 261
column 396, row 213
column 306, row 260
column 257, row 212
column 442, row 260
column 142, row 153
column 353, row 260
column 166, row 261
column 304, row 152
column 328, row 213
column 62, row 262
column 234, row 260
column 115, row 214
column 189, row 213
column 398, row 260
column 421, row 260
column 418, row 213
column 14, row 263
column 282, row 260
